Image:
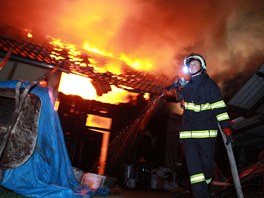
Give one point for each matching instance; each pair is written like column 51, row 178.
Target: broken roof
column 38, row 53
column 248, row 102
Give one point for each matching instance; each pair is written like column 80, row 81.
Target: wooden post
column 103, row 154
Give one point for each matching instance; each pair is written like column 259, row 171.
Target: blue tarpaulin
column 48, row 172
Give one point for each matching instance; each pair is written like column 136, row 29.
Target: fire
column 146, row 96
column 88, row 47
column 115, row 62
column 29, row 35
column 71, row 84
column 73, row 53
column 117, row 95
column 101, row 61
column 136, row 63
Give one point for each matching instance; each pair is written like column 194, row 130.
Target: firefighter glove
column 179, row 96
column 228, row 134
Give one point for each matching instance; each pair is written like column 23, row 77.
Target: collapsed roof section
column 249, row 103
column 39, row 53
column 250, row 97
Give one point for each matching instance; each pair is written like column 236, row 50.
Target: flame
column 146, row 96
column 116, row 96
column 58, row 47
column 29, row 35
column 115, row 62
column 88, row 47
column 136, row 63
column 101, row 61
column 71, row 84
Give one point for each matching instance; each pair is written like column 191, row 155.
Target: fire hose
column 233, row 166
column 5, row 59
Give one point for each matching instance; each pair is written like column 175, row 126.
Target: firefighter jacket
column 204, row 109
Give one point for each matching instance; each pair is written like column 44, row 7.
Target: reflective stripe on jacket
column 199, row 134
column 204, row 109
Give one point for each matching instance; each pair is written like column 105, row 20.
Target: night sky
column 228, row 33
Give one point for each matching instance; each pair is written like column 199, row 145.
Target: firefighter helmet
column 192, row 57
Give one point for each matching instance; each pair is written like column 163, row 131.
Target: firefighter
column 204, row 108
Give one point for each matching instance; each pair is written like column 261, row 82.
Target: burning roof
column 49, row 53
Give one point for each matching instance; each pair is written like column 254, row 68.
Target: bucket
column 129, row 176
column 94, row 181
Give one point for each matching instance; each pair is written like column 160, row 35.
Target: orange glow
column 98, row 121
column 117, row 95
column 73, row 53
column 146, row 96
column 71, row 84
column 101, row 61
column 56, row 105
column 114, row 63
column 29, row 35
column 144, row 65
column 103, row 154
column 88, row 47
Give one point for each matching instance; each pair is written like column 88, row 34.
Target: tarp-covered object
column 19, row 116
column 48, row 172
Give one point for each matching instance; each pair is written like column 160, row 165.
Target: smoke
column 74, row 20
column 228, row 33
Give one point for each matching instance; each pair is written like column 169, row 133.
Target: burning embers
column 71, row 84
column 114, row 79
column 100, row 61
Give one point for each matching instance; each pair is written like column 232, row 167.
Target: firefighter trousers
column 199, row 156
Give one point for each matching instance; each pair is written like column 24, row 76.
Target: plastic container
column 92, row 180
column 129, row 175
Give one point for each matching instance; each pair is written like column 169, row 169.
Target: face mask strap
column 197, row 71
